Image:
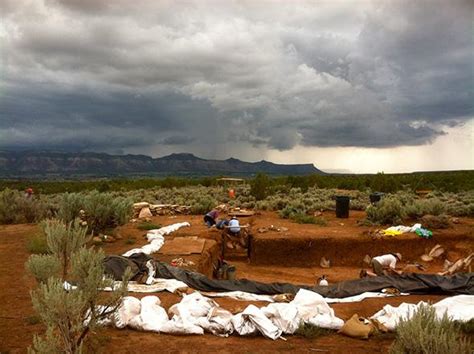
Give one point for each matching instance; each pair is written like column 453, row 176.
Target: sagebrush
column 425, row 333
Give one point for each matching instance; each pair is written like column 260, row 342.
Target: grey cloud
column 177, row 140
column 119, row 75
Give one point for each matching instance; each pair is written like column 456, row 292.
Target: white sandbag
column 313, row 308
column 128, row 309
column 153, row 316
column 458, row 308
column 156, row 239
column 178, row 325
column 327, row 320
column 217, row 322
column 252, row 315
column 243, row 326
column 310, row 304
column 186, row 314
column 194, row 305
column 166, row 230
column 285, row 316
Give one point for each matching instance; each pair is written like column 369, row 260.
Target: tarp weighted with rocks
column 413, row 283
column 462, row 283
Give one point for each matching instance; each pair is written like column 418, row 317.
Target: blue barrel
column 342, row 206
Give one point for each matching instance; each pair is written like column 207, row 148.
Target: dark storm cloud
column 99, row 75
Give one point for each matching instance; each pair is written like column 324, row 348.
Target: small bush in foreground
column 311, row 331
column 466, row 327
column 69, row 316
column 424, row 333
column 148, row 226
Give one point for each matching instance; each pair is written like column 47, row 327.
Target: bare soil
column 342, row 241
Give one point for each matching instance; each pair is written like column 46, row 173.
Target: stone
column 145, row 213
column 108, row 239
column 96, row 240
column 141, row 205
column 325, row 263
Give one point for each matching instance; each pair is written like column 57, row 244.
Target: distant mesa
column 53, row 164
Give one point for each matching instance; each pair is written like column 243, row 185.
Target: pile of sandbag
column 196, row 314
column 145, row 210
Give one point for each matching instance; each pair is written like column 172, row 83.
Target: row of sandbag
column 196, row 314
column 156, row 239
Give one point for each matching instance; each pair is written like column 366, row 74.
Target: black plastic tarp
column 413, row 283
column 462, row 283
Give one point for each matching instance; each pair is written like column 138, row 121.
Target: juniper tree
column 70, row 315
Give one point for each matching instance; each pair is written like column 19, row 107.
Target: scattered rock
column 96, row 240
column 367, row 259
column 325, row 263
column 318, row 213
column 283, row 229
column 145, row 213
column 435, row 252
column 141, row 205
column 181, row 262
column 455, row 220
column 108, row 239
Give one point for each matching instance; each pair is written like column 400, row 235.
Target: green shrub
column 70, row 205
column 424, row 333
column 43, row 266
column 301, row 218
column 203, row 205
column 102, row 210
column 15, row 208
column 259, row 186
column 70, row 316
column 37, row 244
column 130, row 241
column 32, row 320
column 311, row 331
column 466, row 327
column 388, row 211
column 148, row 226
column 419, row 208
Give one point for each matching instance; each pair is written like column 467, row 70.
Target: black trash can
column 342, row 206
column 375, row 197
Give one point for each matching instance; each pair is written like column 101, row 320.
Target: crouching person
column 383, row 265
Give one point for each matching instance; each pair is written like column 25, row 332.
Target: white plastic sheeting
column 460, row 308
column 156, row 239
column 158, row 285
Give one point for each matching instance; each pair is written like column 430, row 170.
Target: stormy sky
column 363, row 86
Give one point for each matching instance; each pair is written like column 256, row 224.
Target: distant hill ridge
column 63, row 164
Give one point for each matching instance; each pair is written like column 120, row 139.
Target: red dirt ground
column 15, row 304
